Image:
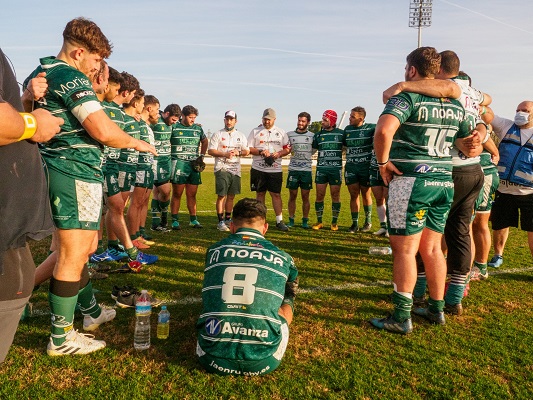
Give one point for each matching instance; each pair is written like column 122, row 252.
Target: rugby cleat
column 195, row 224
column 391, row 325
column 222, row 227
column 318, row 226
column 282, row 227
column 116, row 254
column 146, row 259
column 496, row 261
column 334, row 227
column 102, row 257
column 366, row 227
column 75, row 343
column 435, row 318
column 106, row 315
column 381, row 232
column 176, row 226
column 353, row 228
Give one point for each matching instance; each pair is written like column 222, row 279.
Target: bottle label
column 143, row 309
column 163, row 319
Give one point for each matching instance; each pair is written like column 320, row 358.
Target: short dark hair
column 426, row 61
column 173, row 110
column 130, row 83
column 188, row 110
column 139, row 94
column 115, row 76
column 248, row 210
column 306, row 115
column 150, row 99
column 86, row 33
column 449, row 62
column 359, row 109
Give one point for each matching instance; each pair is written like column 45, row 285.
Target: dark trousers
column 468, row 181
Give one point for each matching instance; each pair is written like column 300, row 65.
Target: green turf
column 333, row 351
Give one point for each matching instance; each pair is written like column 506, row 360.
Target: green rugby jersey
column 146, row 160
column 115, row 113
column 359, row 142
column 244, row 286
column 129, row 157
column 162, row 134
column 185, row 141
column 329, row 145
column 301, row 150
column 429, row 126
column 72, row 151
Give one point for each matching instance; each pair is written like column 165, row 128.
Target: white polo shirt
column 227, row 141
column 273, row 140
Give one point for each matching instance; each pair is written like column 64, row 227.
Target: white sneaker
column 381, row 232
column 222, row 226
column 91, row 324
column 76, row 343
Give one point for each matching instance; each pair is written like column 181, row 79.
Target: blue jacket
column 516, row 161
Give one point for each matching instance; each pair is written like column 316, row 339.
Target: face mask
column 521, row 118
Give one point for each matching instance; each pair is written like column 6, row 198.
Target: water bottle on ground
column 163, row 323
column 376, row 250
column 143, row 310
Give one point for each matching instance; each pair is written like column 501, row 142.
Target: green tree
column 315, row 126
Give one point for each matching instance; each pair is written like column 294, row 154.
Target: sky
column 290, row 55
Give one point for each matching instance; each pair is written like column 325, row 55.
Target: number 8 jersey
column 244, row 286
column 429, row 127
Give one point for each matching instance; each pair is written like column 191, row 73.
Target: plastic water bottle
column 143, row 310
column 382, row 251
column 163, row 323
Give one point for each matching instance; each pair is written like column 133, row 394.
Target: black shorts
column 507, row 208
column 262, row 181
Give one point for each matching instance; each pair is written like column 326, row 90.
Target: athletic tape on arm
column 82, row 111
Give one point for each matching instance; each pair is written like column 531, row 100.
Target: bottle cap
column 163, row 307
column 144, row 291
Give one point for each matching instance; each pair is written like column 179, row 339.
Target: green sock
column 482, row 266
column 305, row 221
column 156, row 219
column 62, row 310
column 319, row 208
column 142, row 230
column 383, row 225
column 193, row 218
column 163, row 205
column 368, row 214
column 291, row 220
column 335, row 211
column 420, row 286
column 435, row 306
column 134, row 236
column 113, row 244
column 87, row 302
column 175, row 217
column 456, row 289
column 402, row 307
column 132, row 253
column 100, row 249
column 355, row 218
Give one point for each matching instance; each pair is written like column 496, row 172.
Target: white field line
column 314, row 289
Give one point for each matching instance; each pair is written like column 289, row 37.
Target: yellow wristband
column 30, row 126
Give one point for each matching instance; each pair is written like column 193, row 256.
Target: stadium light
column 420, row 16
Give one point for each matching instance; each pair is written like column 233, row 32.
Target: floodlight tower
column 420, row 16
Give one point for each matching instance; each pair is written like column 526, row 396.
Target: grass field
column 333, row 351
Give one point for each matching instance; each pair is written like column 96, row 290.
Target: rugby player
column 248, row 298
column 328, row 168
column 75, row 177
